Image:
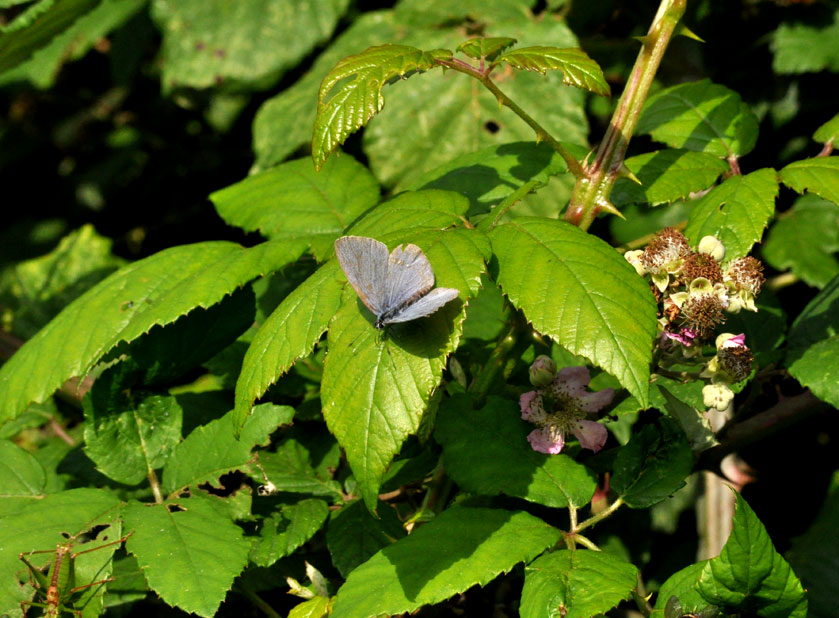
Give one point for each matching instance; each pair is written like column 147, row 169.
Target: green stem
column 600, row 516
column 591, row 194
column 541, row 133
column 257, row 601
column 495, row 364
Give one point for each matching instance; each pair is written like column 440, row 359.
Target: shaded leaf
column 819, row 175
column 285, row 531
column 666, row 176
column 653, row 465
column 805, row 240
column 460, row 548
column 736, row 212
column 292, row 201
column 600, row 308
column 21, row 476
column 577, row 68
column 290, row 470
column 700, row 116
column 354, row 535
column 575, row 584
column 800, row 48
column 239, row 45
column 486, row 452
column 316, row 607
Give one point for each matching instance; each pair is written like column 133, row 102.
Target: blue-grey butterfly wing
column 424, row 306
column 409, row 276
column 365, row 263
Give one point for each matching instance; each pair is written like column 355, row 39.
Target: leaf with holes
column 577, row 68
column 580, row 292
column 351, row 93
column 736, row 212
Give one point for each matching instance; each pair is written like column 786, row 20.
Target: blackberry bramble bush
column 536, row 354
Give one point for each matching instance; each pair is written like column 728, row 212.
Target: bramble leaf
column 351, row 93
column 287, row 529
column 805, row 240
column 294, row 202
column 376, row 388
column 700, row 116
column 819, row 175
column 800, row 48
column 461, row 547
column 486, row 453
column 577, row 68
column 485, row 47
column 828, row 132
column 354, row 535
column 156, row 290
column 736, row 212
column 596, row 305
column 575, row 584
column 667, row 176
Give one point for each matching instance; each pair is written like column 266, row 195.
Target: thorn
column 646, row 40
column 538, row 138
column 625, row 172
column 607, row 206
column 685, row 31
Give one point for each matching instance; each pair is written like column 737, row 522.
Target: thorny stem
column 591, row 194
column 482, row 75
column 639, row 595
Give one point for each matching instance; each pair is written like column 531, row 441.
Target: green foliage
column 801, row 48
column 576, row 67
column 819, row 176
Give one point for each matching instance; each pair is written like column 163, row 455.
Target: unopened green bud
column 542, row 371
column 711, row 245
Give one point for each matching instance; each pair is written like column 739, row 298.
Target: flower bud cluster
column 732, row 363
column 695, row 291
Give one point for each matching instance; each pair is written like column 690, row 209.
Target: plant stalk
column 591, row 194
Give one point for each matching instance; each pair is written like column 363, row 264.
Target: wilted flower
column 635, row 258
column 732, row 363
column 745, row 277
column 664, row 256
column 560, row 407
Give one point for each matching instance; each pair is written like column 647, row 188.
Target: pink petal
column 546, row 440
column 738, row 341
column 531, row 406
column 594, row 402
column 572, row 381
column 590, row 434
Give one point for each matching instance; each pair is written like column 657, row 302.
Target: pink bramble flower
column 562, row 407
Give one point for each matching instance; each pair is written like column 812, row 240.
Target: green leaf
column 239, row 45
column 600, row 308
column 700, row 116
column 486, row 452
column 489, row 176
column 813, row 556
column 42, row 69
column 460, row 548
column 290, row 470
column 351, row 93
column 819, row 175
column 189, row 552
column 21, row 476
column 354, row 535
column 577, row 68
column 575, row 584
column 43, row 524
column 376, row 388
column 653, row 465
column 828, row 132
column 485, row 47
column 289, row 333
column 421, row 13
column 23, row 36
column 642, row 220
column 813, row 344
column 155, row 290
column 799, row 48
column 35, row 291
column 696, row 427
column 805, row 240
column 736, row 212
column 212, row 449
column 682, row 585
column 452, row 109
column 282, row 533
column 666, row 176
column 284, row 123
column 126, row 445
column 292, row 201
column 316, row 607
column 413, row 211
column 749, row 575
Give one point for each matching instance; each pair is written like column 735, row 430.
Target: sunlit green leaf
column 828, row 132
column 575, row 65
column 819, row 175
column 485, row 47
column 286, row 530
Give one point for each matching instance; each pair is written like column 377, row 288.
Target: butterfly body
column 395, row 287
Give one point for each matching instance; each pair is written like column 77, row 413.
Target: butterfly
column 396, row 287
